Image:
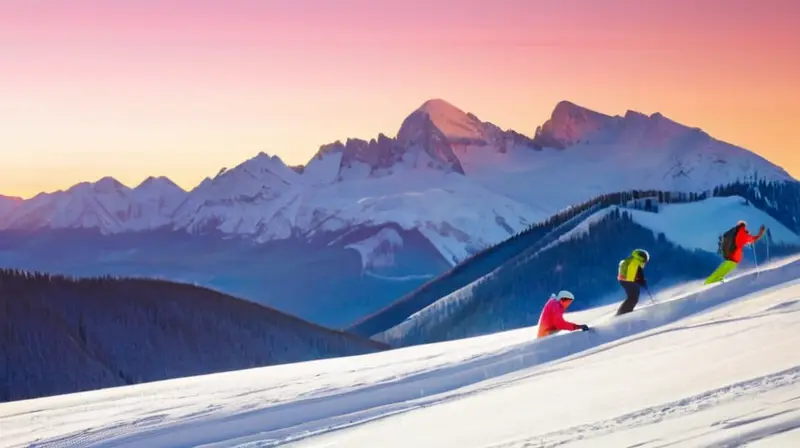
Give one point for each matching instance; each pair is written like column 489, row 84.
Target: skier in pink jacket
column 552, row 317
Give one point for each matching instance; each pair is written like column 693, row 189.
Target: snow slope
column 717, row 365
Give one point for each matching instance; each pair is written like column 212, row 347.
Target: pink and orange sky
column 184, row 88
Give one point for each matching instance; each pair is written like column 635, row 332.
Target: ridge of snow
column 7, row 205
column 737, row 383
column 246, row 200
column 158, row 183
column 106, row 205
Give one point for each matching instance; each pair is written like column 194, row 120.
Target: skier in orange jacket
column 552, row 317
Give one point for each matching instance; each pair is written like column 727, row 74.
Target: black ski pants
column 632, row 290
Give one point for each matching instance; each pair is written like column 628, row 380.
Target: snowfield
column 703, row 366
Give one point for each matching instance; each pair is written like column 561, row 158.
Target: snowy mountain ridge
column 8, row 204
column 462, row 182
column 106, row 205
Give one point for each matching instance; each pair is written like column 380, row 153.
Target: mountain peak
column 566, row 107
column 453, row 122
column 108, row 181
column 438, row 106
column 105, row 185
column 259, row 165
column 569, row 124
column 158, row 181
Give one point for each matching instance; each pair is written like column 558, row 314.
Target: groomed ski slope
column 704, row 366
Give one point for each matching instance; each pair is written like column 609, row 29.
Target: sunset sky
column 184, row 88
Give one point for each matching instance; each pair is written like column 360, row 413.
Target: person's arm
column 561, row 324
column 640, row 276
column 744, row 238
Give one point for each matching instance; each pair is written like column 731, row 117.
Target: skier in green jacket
column 631, row 278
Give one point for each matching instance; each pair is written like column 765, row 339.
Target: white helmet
column 564, row 294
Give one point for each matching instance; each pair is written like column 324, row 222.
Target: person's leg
column 724, row 269
column 631, row 299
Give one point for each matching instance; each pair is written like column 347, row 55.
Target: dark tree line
column 67, row 335
column 780, row 199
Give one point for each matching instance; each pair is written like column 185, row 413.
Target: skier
column 631, row 278
column 731, row 247
column 552, row 317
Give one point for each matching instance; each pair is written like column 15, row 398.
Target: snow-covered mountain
column 106, row 205
column 8, row 204
column 462, row 182
column 598, row 154
column 700, row 367
column 254, row 199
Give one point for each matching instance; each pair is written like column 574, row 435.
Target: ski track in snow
column 656, row 414
column 331, row 397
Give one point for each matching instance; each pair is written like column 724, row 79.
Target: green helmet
column 641, row 255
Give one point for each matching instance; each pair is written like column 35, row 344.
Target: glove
column 583, row 327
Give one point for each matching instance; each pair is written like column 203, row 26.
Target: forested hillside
column 65, row 335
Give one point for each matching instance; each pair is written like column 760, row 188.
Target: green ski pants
column 724, row 269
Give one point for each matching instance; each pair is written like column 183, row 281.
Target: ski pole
column 755, row 258
column 767, row 241
column 652, row 300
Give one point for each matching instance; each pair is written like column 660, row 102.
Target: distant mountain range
column 365, row 221
column 461, row 182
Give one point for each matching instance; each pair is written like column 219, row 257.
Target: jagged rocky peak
column 452, row 122
column 356, row 149
column 419, row 144
column 419, row 133
column 569, row 124
column 377, row 153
